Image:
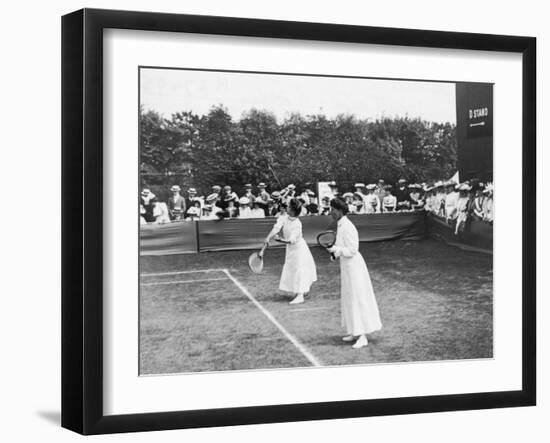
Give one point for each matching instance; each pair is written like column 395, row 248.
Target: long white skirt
column 359, row 308
column 299, row 271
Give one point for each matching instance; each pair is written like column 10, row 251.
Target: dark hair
column 295, row 206
column 340, row 204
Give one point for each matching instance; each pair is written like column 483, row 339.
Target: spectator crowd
column 456, row 203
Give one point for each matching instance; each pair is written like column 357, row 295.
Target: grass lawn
column 436, row 303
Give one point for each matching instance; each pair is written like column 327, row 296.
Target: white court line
column 155, row 274
column 309, row 309
column 312, row 359
column 177, row 282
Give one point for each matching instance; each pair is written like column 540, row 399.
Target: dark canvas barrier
column 171, row 238
column 477, row 236
column 222, row 235
column 250, row 233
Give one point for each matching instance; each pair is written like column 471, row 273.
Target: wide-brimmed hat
column 276, row 195
column 359, row 185
column 212, row 197
column 248, row 186
column 175, row 188
column 216, row 188
column 415, row 186
column 227, row 188
column 370, row 186
column 192, row 191
column 261, row 185
column 145, row 192
column 401, row 180
column 291, row 187
column 244, row 201
column 348, row 194
column 332, row 184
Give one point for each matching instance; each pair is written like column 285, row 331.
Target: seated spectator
column 258, row 210
column 230, row 206
column 194, row 212
column 402, row 195
column 176, row 204
column 191, row 198
column 389, row 202
column 325, row 206
column 303, row 210
column 161, row 213
column 429, row 199
column 211, row 210
column 372, row 204
column 348, row 198
column 417, row 202
column 439, row 199
column 313, row 209
column 148, row 200
column 244, row 208
column 358, row 203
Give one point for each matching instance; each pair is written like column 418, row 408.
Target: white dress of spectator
column 257, row 212
column 244, row 209
column 451, row 202
column 160, row 211
column 389, row 203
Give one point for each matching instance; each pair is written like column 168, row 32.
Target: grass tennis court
column 208, row 312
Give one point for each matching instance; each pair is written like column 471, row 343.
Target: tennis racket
column 326, row 240
column 256, row 260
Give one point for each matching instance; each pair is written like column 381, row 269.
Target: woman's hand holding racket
column 326, row 240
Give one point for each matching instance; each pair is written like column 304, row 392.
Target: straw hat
column 175, row 188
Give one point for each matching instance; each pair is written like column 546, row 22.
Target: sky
column 174, row 90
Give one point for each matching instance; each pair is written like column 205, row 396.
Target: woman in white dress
column 360, row 314
column 299, row 271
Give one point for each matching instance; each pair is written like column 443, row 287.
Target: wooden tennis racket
column 256, row 260
column 326, row 240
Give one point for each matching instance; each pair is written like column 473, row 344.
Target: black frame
column 82, row 237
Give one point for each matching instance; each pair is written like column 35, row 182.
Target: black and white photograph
column 290, row 220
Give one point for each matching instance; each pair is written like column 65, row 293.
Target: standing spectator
column 277, row 201
column 176, row 204
column 288, row 193
column 380, row 190
column 429, row 199
column 451, row 201
column 227, row 195
column 248, row 193
column 262, row 193
column 402, row 195
column 312, row 205
column 372, row 204
column 334, row 189
column 148, row 200
column 389, row 202
column 488, row 203
column 439, row 199
column 477, row 206
column 462, row 207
